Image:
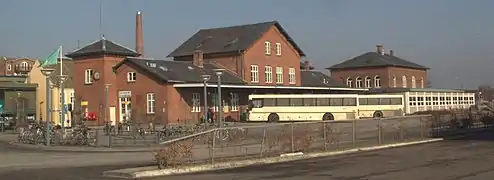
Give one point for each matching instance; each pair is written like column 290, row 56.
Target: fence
column 238, row 143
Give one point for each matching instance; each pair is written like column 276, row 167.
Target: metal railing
column 272, row 140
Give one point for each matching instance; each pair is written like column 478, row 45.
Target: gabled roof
column 229, row 39
column 375, row 59
column 103, row 46
column 180, row 72
column 317, row 79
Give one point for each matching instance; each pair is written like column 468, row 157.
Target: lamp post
column 205, row 79
column 63, row 78
column 107, row 117
column 47, row 72
column 219, row 72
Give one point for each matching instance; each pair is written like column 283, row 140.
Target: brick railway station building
column 255, row 58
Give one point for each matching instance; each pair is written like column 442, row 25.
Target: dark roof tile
column 228, row 39
column 103, row 46
column 375, row 59
column 181, row 72
column 317, row 79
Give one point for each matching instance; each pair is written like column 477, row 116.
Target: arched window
column 358, row 82
column 414, row 85
column 404, row 81
column 368, row 82
column 377, row 82
column 349, row 82
column 421, row 82
column 24, row 64
column 394, row 81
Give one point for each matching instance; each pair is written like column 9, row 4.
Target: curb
column 147, row 172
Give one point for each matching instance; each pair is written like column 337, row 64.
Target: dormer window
column 131, row 77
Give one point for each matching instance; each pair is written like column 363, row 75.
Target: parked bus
column 313, row 107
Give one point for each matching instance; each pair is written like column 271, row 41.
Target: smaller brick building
column 379, row 70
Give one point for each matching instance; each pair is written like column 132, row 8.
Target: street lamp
column 219, row 73
column 47, row 72
column 63, row 78
column 205, row 79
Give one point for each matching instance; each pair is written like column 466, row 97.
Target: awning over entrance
column 196, row 85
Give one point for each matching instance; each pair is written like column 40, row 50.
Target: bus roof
column 253, row 96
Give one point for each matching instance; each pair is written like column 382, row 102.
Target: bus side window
column 256, row 103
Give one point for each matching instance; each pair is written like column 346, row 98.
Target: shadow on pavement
column 485, row 135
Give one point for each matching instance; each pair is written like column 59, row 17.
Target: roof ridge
column 120, row 45
column 89, row 44
column 239, row 25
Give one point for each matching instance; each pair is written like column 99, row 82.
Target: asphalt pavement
column 469, row 158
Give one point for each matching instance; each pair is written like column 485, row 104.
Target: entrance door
column 125, row 109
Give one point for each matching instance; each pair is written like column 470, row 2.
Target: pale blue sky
column 453, row 37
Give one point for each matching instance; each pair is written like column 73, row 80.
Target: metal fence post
column 97, row 143
column 401, row 126
column 293, row 137
column 354, row 132
column 325, row 135
column 263, row 141
column 421, row 128
column 213, row 146
column 379, row 131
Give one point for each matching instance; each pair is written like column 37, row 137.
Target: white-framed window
column 358, row 82
column 394, row 81
column 368, row 82
column 279, row 75
column 150, row 103
column 404, row 81
column 349, row 82
column 234, row 103
column 88, row 76
column 214, row 99
column 422, row 83
column 196, row 102
column 278, row 49
column 131, row 76
column 267, row 46
column 9, row 67
column 254, row 73
column 24, row 64
column 414, row 85
column 268, row 72
column 72, row 98
column 377, row 82
column 291, row 75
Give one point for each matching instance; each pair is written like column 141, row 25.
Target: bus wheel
column 273, row 117
column 378, row 114
column 327, row 117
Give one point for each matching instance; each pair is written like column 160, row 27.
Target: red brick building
column 15, row 66
column 256, row 58
column 380, row 70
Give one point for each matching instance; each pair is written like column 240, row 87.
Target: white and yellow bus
column 313, row 107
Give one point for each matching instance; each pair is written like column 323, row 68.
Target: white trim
column 268, row 87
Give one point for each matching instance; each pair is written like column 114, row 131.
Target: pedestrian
column 210, row 115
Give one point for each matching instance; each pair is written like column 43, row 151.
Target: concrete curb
column 147, row 172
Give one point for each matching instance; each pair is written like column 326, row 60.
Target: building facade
column 117, row 84
column 10, row 66
column 380, row 70
column 36, row 77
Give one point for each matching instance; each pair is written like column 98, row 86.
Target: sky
column 455, row 38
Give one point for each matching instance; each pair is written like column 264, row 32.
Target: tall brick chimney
column 139, row 40
column 198, row 59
